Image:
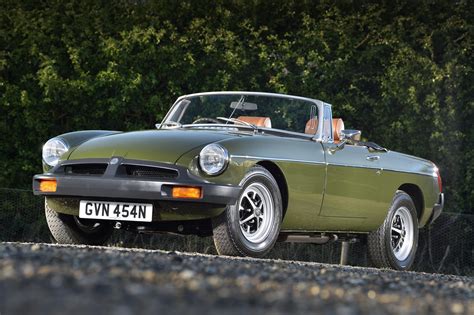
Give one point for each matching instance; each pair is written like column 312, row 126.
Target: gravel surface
column 53, row 279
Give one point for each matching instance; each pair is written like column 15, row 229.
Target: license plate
column 120, row 211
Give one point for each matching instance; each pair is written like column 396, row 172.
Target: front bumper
column 437, row 209
column 114, row 185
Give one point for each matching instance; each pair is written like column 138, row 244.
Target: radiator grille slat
column 149, row 171
column 85, row 169
column 128, row 170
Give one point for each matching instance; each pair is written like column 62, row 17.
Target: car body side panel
column 426, row 183
column 354, row 187
column 399, row 169
column 355, row 196
column 303, row 165
column 363, row 189
column 301, row 162
column 305, row 191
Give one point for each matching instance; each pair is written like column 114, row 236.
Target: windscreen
column 288, row 114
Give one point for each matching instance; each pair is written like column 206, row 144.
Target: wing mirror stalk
column 349, row 136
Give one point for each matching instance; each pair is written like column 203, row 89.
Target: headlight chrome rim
column 52, row 151
column 224, row 159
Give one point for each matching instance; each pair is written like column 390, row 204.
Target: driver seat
column 257, row 121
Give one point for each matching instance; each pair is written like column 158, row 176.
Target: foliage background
column 401, row 71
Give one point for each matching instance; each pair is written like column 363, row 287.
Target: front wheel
column 395, row 242
column 68, row 229
column 251, row 226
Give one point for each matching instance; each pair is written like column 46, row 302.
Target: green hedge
column 399, row 70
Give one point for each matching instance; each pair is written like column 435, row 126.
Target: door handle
column 372, row 158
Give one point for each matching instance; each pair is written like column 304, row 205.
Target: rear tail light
column 440, row 182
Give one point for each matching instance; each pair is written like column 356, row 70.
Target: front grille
column 85, row 169
column 150, row 171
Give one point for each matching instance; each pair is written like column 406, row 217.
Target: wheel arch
column 280, row 179
column 416, row 194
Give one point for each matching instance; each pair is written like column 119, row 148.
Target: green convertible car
column 248, row 168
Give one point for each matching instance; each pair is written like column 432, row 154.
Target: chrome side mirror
column 350, row 136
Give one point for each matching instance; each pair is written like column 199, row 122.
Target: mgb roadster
column 248, row 168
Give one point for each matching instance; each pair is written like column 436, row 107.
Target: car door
column 354, row 177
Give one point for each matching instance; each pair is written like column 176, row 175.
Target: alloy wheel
column 256, row 212
column 402, row 233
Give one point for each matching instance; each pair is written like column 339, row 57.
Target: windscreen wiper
column 238, row 121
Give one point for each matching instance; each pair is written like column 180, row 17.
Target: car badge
column 114, row 161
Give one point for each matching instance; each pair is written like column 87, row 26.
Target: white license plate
column 120, row 211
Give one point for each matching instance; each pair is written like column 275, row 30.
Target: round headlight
column 213, row 159
column 52, row 151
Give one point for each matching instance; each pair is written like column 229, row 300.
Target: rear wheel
column 395, row 242
column 251, row 226
column 69, row 229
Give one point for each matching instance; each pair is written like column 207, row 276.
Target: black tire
column 229, row 239
column 66, row 229
column 379, row 243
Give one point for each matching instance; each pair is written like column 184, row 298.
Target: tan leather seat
column 311, row 126
column 257, row 121
column 337, row 126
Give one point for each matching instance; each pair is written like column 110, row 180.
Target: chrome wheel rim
column 402, row 233
column 256, row 212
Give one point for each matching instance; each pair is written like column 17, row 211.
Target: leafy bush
column 399, row 70
column 22, row 217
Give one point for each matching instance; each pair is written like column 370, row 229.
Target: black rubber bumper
column 120, row 188
column 437, row 209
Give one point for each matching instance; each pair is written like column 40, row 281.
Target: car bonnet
column 165, row 145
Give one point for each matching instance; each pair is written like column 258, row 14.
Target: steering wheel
column 206, row 120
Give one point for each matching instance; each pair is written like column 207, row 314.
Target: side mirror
column 350, row 136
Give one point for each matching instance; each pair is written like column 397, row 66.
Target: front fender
column 233, row 174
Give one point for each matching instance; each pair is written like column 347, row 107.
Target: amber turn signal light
column 48, row 185
column 187, row 192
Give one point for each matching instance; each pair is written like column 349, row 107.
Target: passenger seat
column 337, row 127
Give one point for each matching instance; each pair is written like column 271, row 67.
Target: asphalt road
column 53, row 279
